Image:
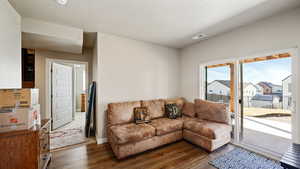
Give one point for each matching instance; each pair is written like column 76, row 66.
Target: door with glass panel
column 266, row 102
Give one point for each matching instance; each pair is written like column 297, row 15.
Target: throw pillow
column 178, row 101
column 141, row 115
column 172, row 111
column 155, row 107
column 211, row 111
column 189, row 109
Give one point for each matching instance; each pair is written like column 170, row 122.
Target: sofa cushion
column 156, row 108
column 120, row 113
column 166, row 125
column 128, row 133
column 189, row 109
column 207, row 129
column 178, row 101
column 211, row 111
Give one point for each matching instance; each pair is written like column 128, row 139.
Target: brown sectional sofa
column 209, row 130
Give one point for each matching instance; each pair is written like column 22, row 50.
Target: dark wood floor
column 179, row 155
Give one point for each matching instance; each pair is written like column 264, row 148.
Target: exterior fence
column 270, row 104
column 218, row 98
column 248, row 102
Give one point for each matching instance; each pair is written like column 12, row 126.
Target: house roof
column 246, row 84
column 269, row 84
column 287, row 77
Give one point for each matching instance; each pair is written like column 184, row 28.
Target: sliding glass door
column 265, row 100
column 258, row 92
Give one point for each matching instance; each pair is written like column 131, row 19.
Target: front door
column 62, row 95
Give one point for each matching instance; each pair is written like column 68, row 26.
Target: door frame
column 202, row 73
column 295, row 81
column 48, row 80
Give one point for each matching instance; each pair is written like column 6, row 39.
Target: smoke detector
column 200, row 37
column 62, row 2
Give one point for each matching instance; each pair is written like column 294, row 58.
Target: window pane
column 218, row 84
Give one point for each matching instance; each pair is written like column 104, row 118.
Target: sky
column 273, row 71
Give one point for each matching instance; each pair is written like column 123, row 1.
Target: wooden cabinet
column 26, row 149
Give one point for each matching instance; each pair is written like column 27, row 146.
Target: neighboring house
column 260, row 89
column 287, row 92
column 267, row 89
column 219, row 87
column 266, row 101
column 270, row 88
column 276, row 89
column 250, row 90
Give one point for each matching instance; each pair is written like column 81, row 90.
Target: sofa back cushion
column 156, row 108
column 189, row 109
column 121, row 113
column 211, row 111
column 178, row 101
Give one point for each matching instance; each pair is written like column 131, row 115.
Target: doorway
column 266, row 97
column 67, row 102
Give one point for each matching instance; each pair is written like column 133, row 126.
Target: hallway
column 70, row 134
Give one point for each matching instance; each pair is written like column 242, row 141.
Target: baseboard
column 101, row 140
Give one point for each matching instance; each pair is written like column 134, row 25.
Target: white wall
column 95, row 61
column 133, row 70
column 39, row 34
column 277, row 32
column 10, row 47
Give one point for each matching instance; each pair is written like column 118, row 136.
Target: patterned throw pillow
column 141, row 115
column 172, row 111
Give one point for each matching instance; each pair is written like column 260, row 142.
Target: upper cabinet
column 10, row 47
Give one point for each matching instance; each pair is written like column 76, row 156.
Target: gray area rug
column 242, row 159
column 66, row 137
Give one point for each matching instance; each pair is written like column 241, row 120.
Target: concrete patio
column 268, row 134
